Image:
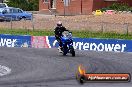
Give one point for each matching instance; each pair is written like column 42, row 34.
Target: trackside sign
column 15, row 41
column 92, row 44
column 7, row 42
column 99, row 47
column 95, row 44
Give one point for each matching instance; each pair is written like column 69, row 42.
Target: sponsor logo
column 96, row 47
column 99, row 47
column 8, row 42
column 54, row 43
column 82, row 76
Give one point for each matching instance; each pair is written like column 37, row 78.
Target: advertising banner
column 39, row 42
column 15, row 41
column 94, row 44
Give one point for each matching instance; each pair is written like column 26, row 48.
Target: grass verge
column 81, row 34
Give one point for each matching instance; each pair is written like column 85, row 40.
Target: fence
column 75, row 23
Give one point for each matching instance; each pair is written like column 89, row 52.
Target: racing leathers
column 58, row 33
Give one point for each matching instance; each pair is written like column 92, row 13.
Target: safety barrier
column 15, row 40
column 94, row 44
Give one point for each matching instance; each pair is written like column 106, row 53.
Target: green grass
column 82, row 34
column 87, row 34
column 26, row 32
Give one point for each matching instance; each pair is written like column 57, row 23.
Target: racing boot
column 60, row 49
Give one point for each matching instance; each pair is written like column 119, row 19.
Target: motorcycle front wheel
column 72, row 52
column 64, row 50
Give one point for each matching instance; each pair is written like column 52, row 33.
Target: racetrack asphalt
column 31, row 67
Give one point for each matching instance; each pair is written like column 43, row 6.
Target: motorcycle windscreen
column 66, row 35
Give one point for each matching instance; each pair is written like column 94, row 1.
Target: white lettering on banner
column 93, row 46
column 54, row 43
column 76, row 44
column 123, row 47
column 117, row 48
column 7, row 42
column 99, row 47
column 86, row 46
column 109, row 47
column 80, row 45
column 106, row 47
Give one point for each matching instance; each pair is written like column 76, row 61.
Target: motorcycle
column 67, row 43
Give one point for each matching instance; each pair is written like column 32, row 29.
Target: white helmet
column 59, row 23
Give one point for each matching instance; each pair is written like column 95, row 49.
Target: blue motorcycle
column 67, row 43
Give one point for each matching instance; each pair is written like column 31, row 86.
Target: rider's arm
column 55, row 31
column 67, row 30
column 64, row 29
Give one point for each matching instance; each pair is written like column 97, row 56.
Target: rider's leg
column 60, row 45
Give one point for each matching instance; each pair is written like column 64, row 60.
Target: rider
column 58, row 33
